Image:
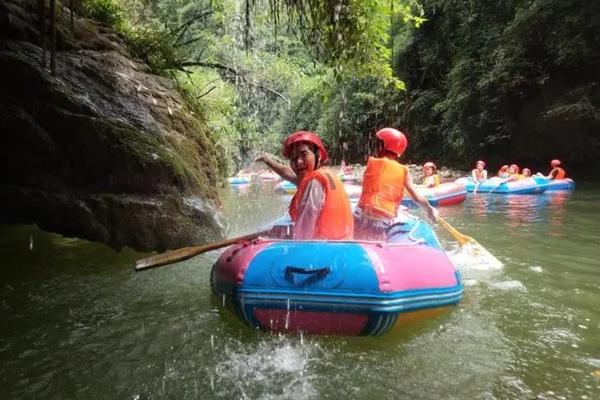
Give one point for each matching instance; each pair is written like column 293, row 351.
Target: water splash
column 287, row 314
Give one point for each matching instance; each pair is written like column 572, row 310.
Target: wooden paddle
column 174, row 256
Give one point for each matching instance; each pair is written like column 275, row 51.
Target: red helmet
column 429, row 164
column 393, row 140
column 480, row 162
column 555, row 163
column 515, row 167
column 304, row 136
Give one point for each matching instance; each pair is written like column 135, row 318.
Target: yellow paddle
column 467, row 243
column 471, row 245
column 174, row 256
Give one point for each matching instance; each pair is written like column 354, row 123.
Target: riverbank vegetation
column 504, row 80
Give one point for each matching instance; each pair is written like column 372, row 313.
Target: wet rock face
column 103, row 149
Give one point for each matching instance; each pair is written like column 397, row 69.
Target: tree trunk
column 42, row 15
column 52, row 36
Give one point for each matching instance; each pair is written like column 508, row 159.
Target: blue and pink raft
column 338, row 287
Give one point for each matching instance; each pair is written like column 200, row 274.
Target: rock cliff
column 102, row 149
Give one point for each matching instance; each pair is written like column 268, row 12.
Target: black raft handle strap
column 312, row 274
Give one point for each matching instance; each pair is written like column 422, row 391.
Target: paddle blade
column 480, row 256
column 169, row 257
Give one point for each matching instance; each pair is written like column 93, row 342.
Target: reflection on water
column 76, row 322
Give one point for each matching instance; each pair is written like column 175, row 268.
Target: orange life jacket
column 335, row 221
column 560, row 173
column 383, row 187
column 432, row 181
column 479, row 175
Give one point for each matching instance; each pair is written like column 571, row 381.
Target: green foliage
column 495, row 79
column 105, row 11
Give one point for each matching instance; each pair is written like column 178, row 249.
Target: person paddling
column 384, row 182
column 557, row 172
column 479, row 174
column 432, row 179
column 320, row 209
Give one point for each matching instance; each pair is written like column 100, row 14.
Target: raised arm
column 419, row 199
column 284, row 171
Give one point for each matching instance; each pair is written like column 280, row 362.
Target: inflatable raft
column 338, row 287
column 285, row 187
column 348, row 178
column 500, row 186
column 238, row 180
column 446, row 194
column 556, row 184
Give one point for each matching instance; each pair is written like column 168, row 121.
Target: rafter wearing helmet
column 320, row 209
column 432, row 179
column 384, row 183
column 479, row 174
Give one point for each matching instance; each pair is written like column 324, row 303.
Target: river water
column 77, row 322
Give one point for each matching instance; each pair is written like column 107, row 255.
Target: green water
column 76, row 322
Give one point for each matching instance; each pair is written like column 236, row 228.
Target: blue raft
column 566, row 184
column 500, row 186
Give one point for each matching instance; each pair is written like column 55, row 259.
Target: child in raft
column 513, row 172
column 479, row 174
column 432, row 179
column 503, row 172
column 320, row 209
column 384, row 183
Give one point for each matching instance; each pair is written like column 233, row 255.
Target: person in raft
column 526, row 173
column 432, row 179
column 384, row 182
column 320, row 209
column 479, row 174
column 557, row 172
column 514, row 172
column 503, row 172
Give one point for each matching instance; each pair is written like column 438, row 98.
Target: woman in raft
column 320, row 209
column 479, row 174
column 384, row 183
column 556, row 172
column 432, row 179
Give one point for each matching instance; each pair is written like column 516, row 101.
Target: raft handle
column 313, row 273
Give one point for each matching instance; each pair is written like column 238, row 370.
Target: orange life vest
column 383, row 187
column 560, row 173
column 432, row 181
column 335, row 221
column 479, row 175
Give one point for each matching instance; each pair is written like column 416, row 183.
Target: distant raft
column 285, row 187
column 553, row 185
column 338, row 287
column 238, row 180
column 499, row 185
column 446, row 194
